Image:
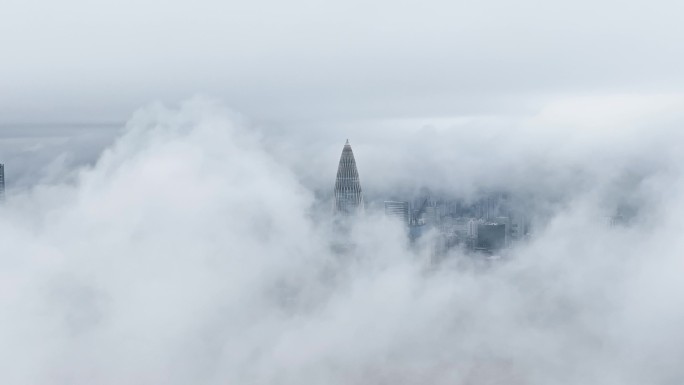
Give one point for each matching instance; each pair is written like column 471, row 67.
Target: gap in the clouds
column 46, row 153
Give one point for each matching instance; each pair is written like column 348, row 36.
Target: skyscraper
column 348, row 196
column 491, row 236
column 2, row 182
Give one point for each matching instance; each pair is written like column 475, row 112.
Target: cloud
column 191, row 252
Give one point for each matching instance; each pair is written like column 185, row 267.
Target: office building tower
column 472, row 226
column 459, row 227
column 348, row 195
column 506, row 221
column 430, row 215
column 398, row 210
column 491, row 236
column 518, row 226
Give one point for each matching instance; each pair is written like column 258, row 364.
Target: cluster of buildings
column 488, row 225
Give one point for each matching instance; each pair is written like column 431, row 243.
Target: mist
column 197, row 248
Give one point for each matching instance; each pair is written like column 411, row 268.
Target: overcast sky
column 97, row 61
column 398, row 77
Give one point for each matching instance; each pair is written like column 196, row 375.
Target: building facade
column 491, row 236
column 348, row 194
column 398, row 210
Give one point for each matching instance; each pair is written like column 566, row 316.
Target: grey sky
column 88, row 61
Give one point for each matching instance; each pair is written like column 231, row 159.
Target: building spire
column 348, row 194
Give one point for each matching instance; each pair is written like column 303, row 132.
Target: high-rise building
column 518, row 225
column 398, row 210
column 472, row 226
column 491, row 236
column 431, row 215
column 506, row 221
column 2, row 182
column 348, row 195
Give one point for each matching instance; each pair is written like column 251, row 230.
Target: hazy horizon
column 189, row 237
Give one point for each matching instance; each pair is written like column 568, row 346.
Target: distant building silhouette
column 491, row 236
column 2, row 182
column 506, row 221
column 348, row 195
column 398, row 210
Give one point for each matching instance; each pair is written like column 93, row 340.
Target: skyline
column 511, row 211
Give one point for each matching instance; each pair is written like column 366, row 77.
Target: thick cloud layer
column 191, row 253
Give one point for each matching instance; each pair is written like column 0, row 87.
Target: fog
column 197, row 249
column 50, row 153
column 170, row 167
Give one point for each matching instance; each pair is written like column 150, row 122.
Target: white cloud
column 188, row 254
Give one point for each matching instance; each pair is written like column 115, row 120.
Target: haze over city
column 341, row 193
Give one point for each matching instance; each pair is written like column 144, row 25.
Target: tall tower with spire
column 348, row 195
